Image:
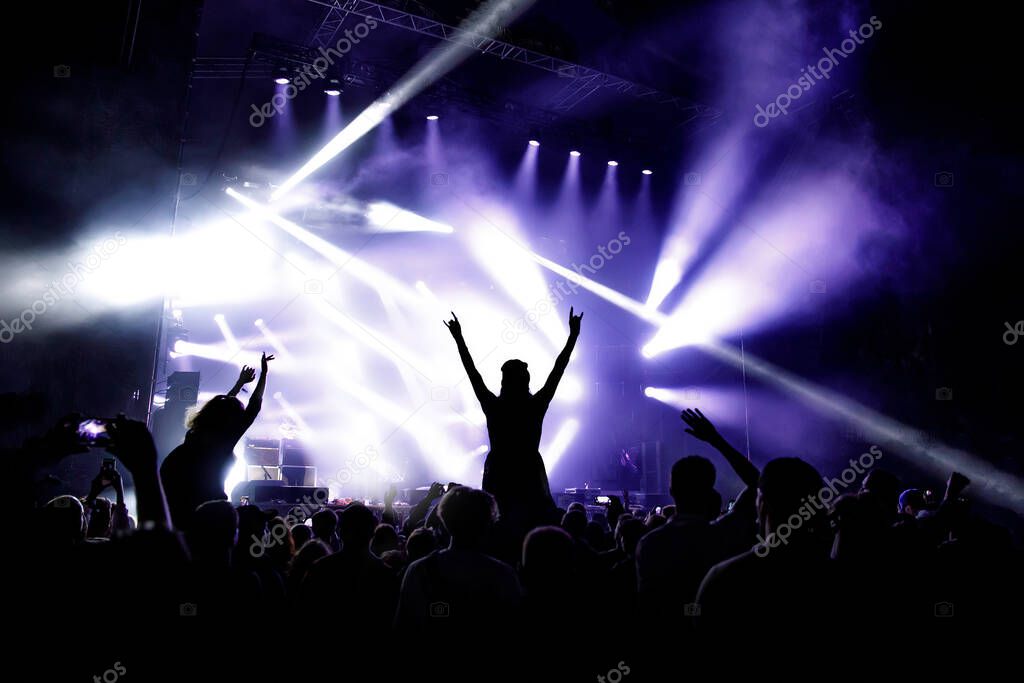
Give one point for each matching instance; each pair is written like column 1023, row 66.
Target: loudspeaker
column 265, row 452
column 655, row 466
column 298, row 476
column 262, row 473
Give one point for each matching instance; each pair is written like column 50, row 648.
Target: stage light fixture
column 613, row 163
column 574, row 153
column 484, row 22
column 647, row 171
column 281, row 80
column 433, row 117
column 534, row 143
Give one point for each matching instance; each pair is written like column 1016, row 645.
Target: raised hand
column 955, row 485
column 574, row 322
column 436, row 490
column 700, row 426
column 246, row 375
column 133, row 445
column 454, row 326
column 263, row 362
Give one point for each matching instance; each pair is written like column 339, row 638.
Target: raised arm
column 547, row 392
column 701, row 427
column 252, row 408
column 483, row 394
column 244, row 377
column 133, row 445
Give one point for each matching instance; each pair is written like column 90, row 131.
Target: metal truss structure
column 582, row 81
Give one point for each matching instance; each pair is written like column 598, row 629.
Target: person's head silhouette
column 692, row 485
column 515, row 378
column 218, row 412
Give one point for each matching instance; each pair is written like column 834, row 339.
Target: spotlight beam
column 229, row 336
column 607, row 293
column 485, row 22
column 351, row 264
column 990, row 483
column 374, row 340
column 275, row 342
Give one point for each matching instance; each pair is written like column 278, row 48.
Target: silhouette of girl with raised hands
column 514, row 472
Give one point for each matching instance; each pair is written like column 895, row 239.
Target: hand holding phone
column 93, row 432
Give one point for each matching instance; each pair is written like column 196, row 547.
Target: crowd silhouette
column 472, row 562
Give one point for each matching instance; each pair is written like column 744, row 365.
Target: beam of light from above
column 758, row 274
column 229, row 336
column 217, row 352
column 485, row 22
column 332, row 117
column 995, row 486
column 560, row 444
column 375, row 340
column 511, row 266
column 701, row 201
column 290, row 411
column 526, row 176
column 606, row 213
column 433, row 441
column 607, row 293
column 434, row 149
column 351, row 265
column 390, row 218
column 725, row 404
column 385, row 143
column 275, row 342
